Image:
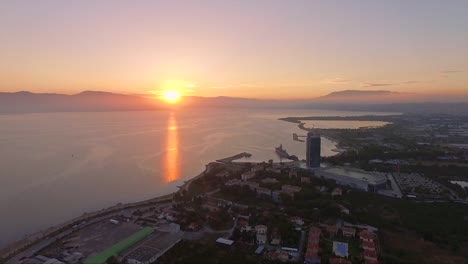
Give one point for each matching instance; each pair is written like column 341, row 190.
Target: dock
column 297, row 137
column 235, row 157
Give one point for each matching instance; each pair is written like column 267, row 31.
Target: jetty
column 297, row 137
column 235, row 157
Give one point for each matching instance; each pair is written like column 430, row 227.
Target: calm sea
column 56, row 166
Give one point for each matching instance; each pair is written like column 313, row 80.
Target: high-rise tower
column 313, row 150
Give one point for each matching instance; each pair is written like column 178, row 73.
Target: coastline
column 325, row 133
column 330, row 134
column 20, row 247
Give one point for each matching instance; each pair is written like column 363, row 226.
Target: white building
column 247, row 175
column 354, row 178
column 261, row 235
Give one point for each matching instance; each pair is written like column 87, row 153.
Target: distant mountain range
column 357, row 93
column 26, row 102
column 359, row 96
column 93, row 101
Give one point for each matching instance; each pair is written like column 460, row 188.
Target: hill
column 88, row 101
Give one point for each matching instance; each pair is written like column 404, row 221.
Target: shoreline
column 328, row 132
column 15, row 248
column 31, row 239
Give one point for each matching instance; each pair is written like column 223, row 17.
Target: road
column 301, row 246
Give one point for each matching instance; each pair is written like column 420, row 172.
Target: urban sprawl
column 394, row 194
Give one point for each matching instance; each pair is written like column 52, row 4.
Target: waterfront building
column 313, row 150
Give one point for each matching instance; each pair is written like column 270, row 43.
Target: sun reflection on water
column 171, row 159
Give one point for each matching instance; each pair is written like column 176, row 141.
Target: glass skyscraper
column 313, row 150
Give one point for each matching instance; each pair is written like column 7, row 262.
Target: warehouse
column 149, row 250
column 123, row 245
column 354, row 178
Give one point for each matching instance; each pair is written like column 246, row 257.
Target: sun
column 171, row 96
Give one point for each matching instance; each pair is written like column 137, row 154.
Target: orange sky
column 262, row 49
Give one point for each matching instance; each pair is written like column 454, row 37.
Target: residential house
column 366, row 235
column 292, row 174
column 261, row 229
column 297, row 220
column 252, row 185
column 247, row 175
column 348, row 231
column 311, row 255
column 270, row 180
column 263, row 191
column 261, row 234
column 367, row 245
column 370, row 255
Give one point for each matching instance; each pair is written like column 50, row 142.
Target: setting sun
column 171, row 96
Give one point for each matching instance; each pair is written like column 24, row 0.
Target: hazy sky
column 271, row 49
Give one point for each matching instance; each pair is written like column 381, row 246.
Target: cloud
column 446, row 72
column 411, row 82
column 337, row 80
column 377, row 84
column 240, row 85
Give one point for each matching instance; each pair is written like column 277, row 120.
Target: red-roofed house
column 311, row 256
column 348, row 231
column 369, row 255
column 367, row 236
column 367, row 245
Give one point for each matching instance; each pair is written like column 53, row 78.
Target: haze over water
column 56, row 166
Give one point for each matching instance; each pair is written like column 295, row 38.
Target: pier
column 297, row 137
column 235, row 157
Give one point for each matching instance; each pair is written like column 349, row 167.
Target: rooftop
column 155, row 245
column 366, row 235
column 356, row 174
column 102, row 256
column 225, row 241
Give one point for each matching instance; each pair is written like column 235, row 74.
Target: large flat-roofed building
column 149, row 250
column 313, row 150
column 116, row 249
column 354, row 178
